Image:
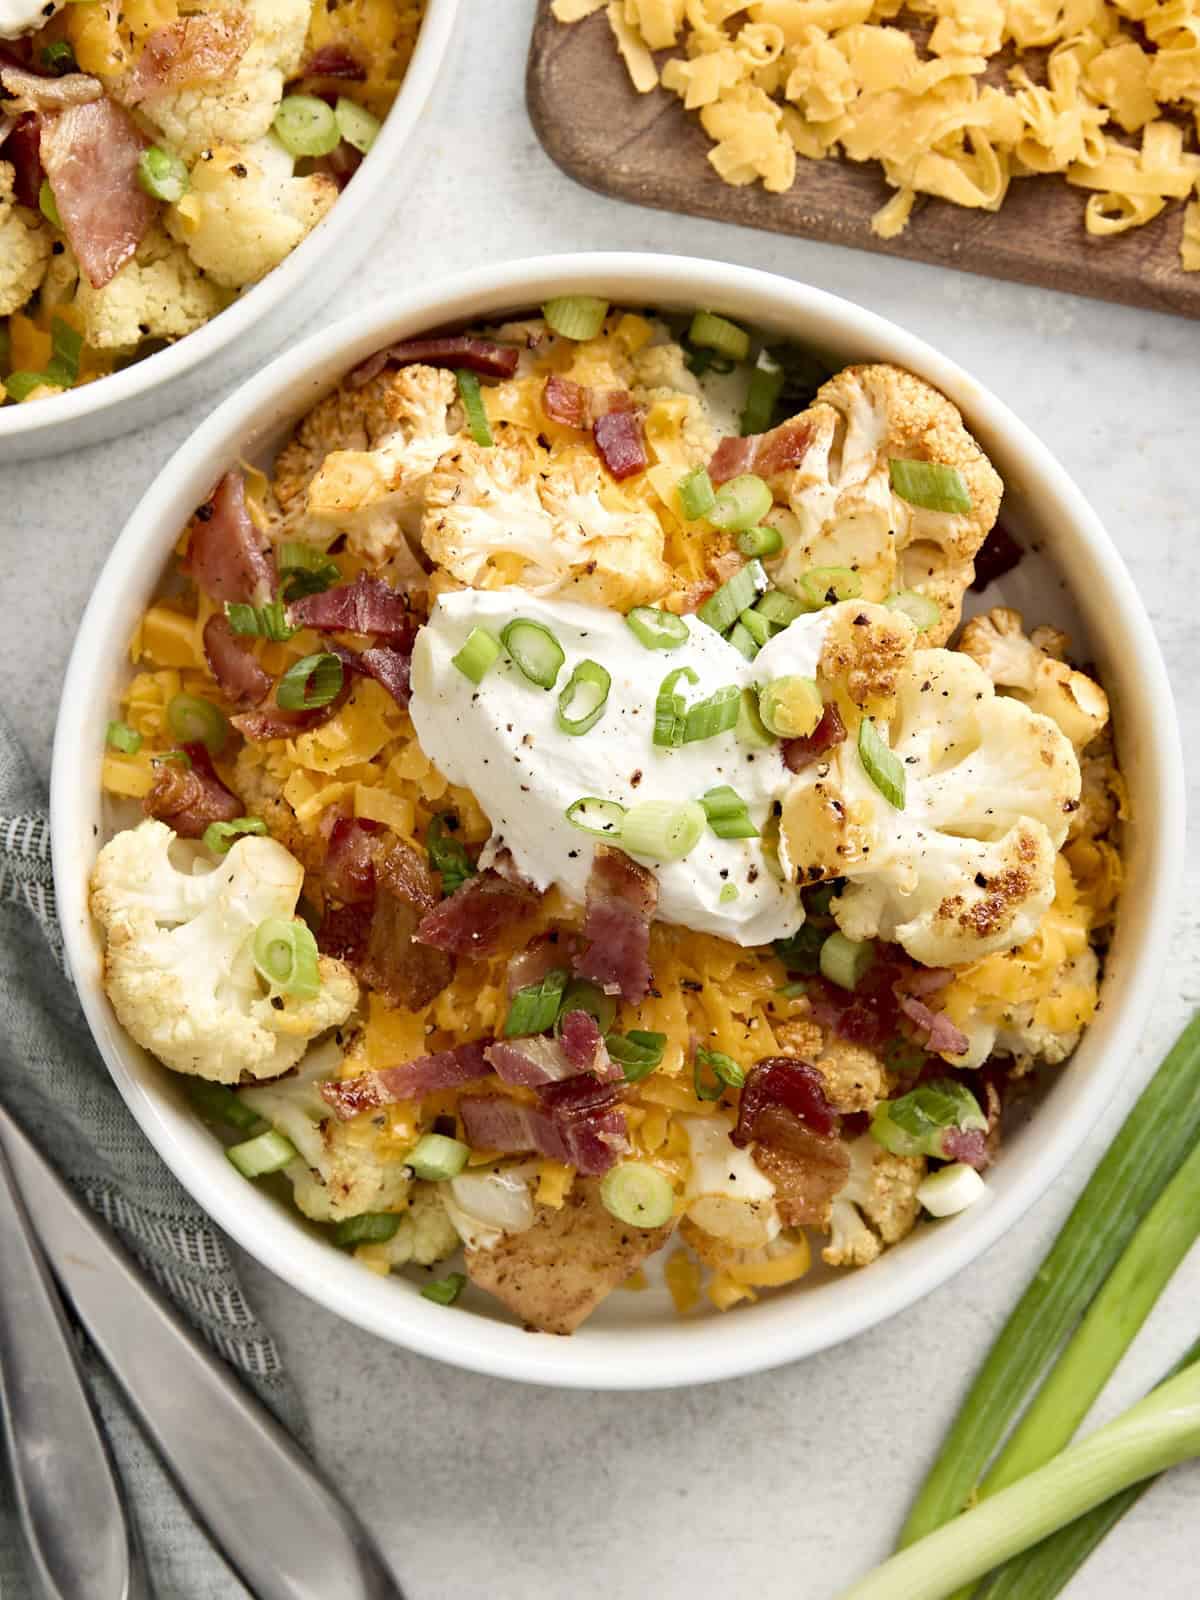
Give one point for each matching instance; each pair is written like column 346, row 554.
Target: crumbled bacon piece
column 91, row 154
column 411, row 1080
column 779, row 450
column 806, row 1168
column 391, row 668
column 788, row 1084
column 334, row 61
column 485, row 356
column 348, row 869
column 801, row 753
column 188, row 798
column 969, row 1146
column 203, row 48
column 402, row 967
column 21, row 148
column 584, row 1047
column 565, row 401
column 227, row 557
column 577, row 1122
column 233, row 664
column 933, row 1029
column 622, row 897
column 368, row 605
column 472, row 920
column 621, row 441
column 530, row 1063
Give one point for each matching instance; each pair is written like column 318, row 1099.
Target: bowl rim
column 606, row 1358
column 256, row 304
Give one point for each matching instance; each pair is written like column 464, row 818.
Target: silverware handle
column 280, row 1527
column 68, row 1499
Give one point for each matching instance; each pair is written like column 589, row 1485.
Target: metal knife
column 278, row 1524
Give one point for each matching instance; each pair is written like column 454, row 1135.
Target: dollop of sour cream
column 501, row 740
column 18, row 17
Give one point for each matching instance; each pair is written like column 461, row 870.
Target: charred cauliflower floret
column 855, row 1078
column 1035, row 674
column 876, row 1206
column 364, row 456
column 178, row 966
column 838, row 508
column 246, row 210
column 506, row 515
column 965, row 866
column 159, row 294
column 25, row 247
column 1045, row 1027
column 242, row 107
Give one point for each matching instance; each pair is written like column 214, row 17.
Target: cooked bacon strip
column 91, row 154
column 934, row 1030
column 390, row 668
column 584, row 1047
column 342, row 162
column 32, row 92
column 763, row 453
column 189, row 798
column 233, row 663
column 969, row 1147
column 204, row 48
column 801, row 753
column 227, row 557
column 576, row 1122
column 344, row 931
column 21, row 149
column 806, row 1168
column 533, row 963
column 485, row 356
column 621, row 900
column 411, row 1080
column 334, row 61
column 348, row 870
column 871, row 1015
column 788, row 1083
column 472, row 921
column 621, row 441
column 567, row 402
column 368, row 605
column 534, row 1063
column 406, row 971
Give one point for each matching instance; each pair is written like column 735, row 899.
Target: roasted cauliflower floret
column 855, row 1078
column 876, row 1206
column 865, row 651
column 159, row 294
column 242, row 107
column 727, row 1196
column 246, row 211
column 505, row 515
column 1035, row 675
column 25, row 247
column 178, row 966
column 966, row 867
column 838, row 509
column 371, row 490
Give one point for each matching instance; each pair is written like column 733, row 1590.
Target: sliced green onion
column 951, row 1189
column 306, row 126
column 305, row 570
column 356, row 124
column 792, row 991
column 369, row 1227
column 722, row 609
column 218, row 836
column 163, row 175
column 265, row 1153
column 711, row 332
column 262, row 622
column 845, row 961
column 59, row 58
column 471, row 395
column 636, row 1052
column 670, row 709
column 729, row 893
column 196, row 721
column 445, row 1291
column 740, row 503
column 313, row 681
column 478, row 655
column 801, row 951
column 120, row 736
column 728, row 815
column 48, row 206
column 535, row 1008
column 742, row 640
column 581, row 704
column 637, row 1194
column 663, row 830
column 918, row 608
column 825, row 586
column 696, row 494
column 751, row 731
column 285, row 957
column 575, row 316
column 535, row 650
column 67, row 346
column 657, row 629
column 590, row 814
column 724, row 1067
column 930, row 485
column 717, row 713
column 791, row 707
column 218, row 1103
column 20, row 385
column 885, row 769
column 779, row 608
column 761, row 540
column 582, row 995
column 447, row 855
column 762, row 395
column 177, row 757
column 757, row 626
column 436, row 1158
column 818, row 897
column 917, row 1123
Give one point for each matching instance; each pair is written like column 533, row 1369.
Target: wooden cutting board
column 647, row 149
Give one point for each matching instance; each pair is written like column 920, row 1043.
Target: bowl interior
column 1071, row 576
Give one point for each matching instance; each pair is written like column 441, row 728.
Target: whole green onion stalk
column 1159, row 1432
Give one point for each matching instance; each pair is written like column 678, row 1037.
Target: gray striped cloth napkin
column 54, row 1083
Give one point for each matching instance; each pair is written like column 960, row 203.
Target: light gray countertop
column 790, row 1483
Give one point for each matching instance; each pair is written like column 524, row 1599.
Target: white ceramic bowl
column 260, row 319
column 635, row 1340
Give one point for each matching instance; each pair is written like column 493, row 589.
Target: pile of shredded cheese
column 1111, row 101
